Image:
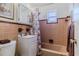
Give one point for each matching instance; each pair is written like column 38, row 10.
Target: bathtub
column 53, row 50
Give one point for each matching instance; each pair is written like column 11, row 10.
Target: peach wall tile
column 57, row 32
column 10, row 31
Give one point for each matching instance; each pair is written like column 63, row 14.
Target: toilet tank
column 28, row 45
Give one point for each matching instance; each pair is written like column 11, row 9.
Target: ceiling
column 32, row 6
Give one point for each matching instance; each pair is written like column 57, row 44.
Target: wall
column 10, row 31
column 62, row 10
column 57, row 32
column 24, row 13
column 8, row 28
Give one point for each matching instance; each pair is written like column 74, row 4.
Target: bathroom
column 39, row 29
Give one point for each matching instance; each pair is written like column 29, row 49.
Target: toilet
column 27, row 45
column 8, row 49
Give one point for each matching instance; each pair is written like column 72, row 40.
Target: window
column 51, row 17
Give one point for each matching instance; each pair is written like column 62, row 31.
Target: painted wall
column 24, row 13
column 18, row 13
column 62, row 10
column 57, row 32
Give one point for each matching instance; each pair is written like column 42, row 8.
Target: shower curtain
column 36, row 27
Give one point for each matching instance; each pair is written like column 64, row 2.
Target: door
column 76, row 28
column 76, row 37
